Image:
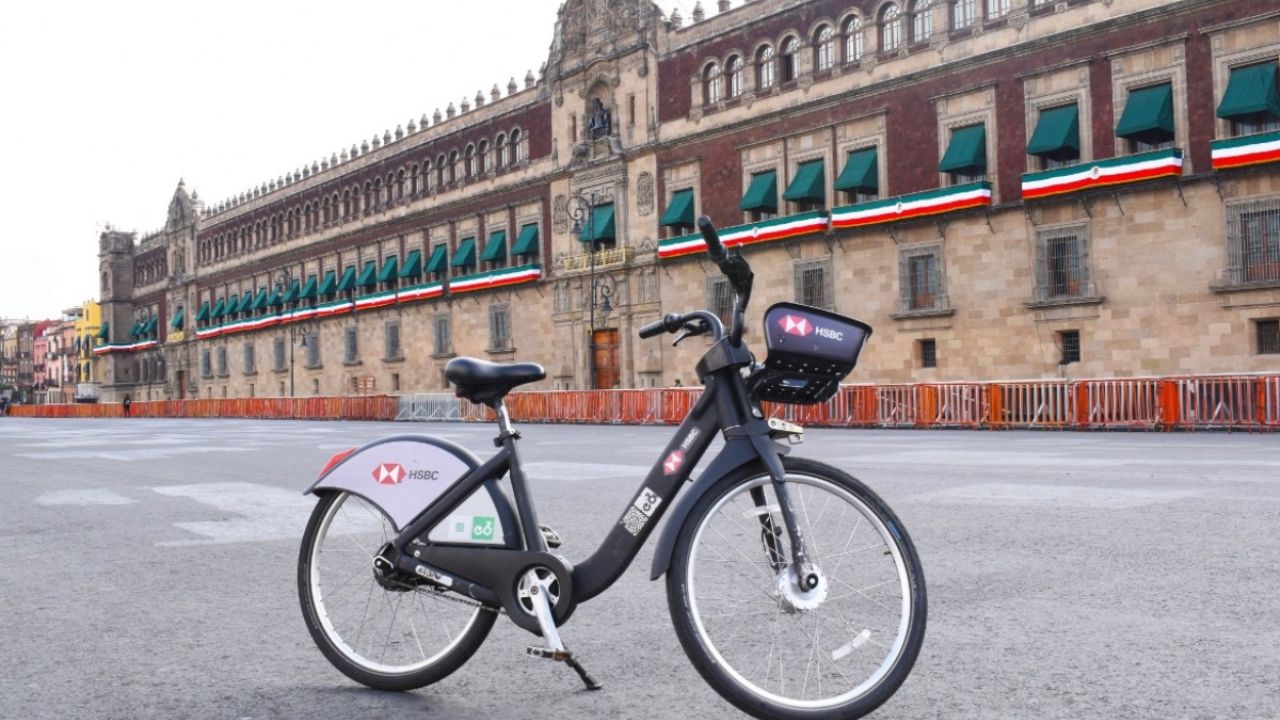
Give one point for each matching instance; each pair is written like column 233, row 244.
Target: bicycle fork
column 807, row 577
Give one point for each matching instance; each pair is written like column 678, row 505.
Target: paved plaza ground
column 147, row 570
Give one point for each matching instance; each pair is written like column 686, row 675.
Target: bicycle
column 794, row 590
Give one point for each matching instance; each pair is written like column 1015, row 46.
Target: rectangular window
column 393, row 341
column 997, row 8
column 1253, row 242
column 928, row 353
column 499, row 327
column 813, row 283
column 1268, row 332
column 222, row 362
column 720, row 298
column 443, row 343
column 1251, row 102
column 965, row 159
column 351, row 346
column 312, row 342
column 1062, row 270
column 395, row 382
column 249, row 366
column 1147, row 121
column 920, row 279
column 963, row 14
column 277, row 352
column 206, row 364
column 1056, row 139
column 1069, row 342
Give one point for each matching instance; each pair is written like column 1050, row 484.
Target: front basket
column 810, row 352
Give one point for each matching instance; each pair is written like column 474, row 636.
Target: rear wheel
column 838, row 650
column 385, row 632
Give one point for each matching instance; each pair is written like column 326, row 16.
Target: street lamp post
column 582, row 209
column 284, row 279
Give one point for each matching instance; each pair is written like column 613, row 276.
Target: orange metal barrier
column 1238, row 402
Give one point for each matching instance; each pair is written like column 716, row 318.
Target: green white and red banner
column 126, row 347
column 916, row 205
column 495, row 279
column 1102, row 173
column 739, row 235
column 1246, row 151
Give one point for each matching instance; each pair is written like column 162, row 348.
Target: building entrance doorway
column 605, row 360
column 182, row 384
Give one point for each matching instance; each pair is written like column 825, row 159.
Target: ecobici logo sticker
column 473, row 528
column 640, row 511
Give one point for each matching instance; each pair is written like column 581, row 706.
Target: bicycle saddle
column 486, row 382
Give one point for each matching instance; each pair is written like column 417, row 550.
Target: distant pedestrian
column 128, row 405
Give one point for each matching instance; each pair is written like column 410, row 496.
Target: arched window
column 737, row 75
column 469, row 161
column 453, row 166
column 415, row 182
column 379, row 194
column 921, row 21
column 853, row 39
column 963, row 14
column 890, row 28
column 400, row 185
column 442, row 172
column 764, row 67
column 482, row 157
column 428, row 176
column 824, row 48
column 517, row 146
column 368, row 197
column 997, row 9
column 327, row 219
column 711, row 84
column 501, row 154
column 790, row 47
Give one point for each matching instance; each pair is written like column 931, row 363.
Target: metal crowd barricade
column 1220, row 402
column 962, row 405
column 435, row 406
column 1032, row 404
column 897, row 406
column 1131, row 403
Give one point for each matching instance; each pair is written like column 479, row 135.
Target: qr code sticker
column 634, row 521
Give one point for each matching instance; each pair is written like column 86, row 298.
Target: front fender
column 737, row 452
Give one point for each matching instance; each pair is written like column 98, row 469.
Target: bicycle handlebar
column 734, row 267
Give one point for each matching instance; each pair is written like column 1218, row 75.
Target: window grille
column 813, row 283
column 393, row 341
column 720, row 298
column 929, row 353
column 249, row 367
column 499, row 327
column 1069, row 340
column 222, row 362
column 206, row 366
column 1062, row 268
column 1268, row 336
column 351, row 345
column 277, row 348
column 921, row 280
column 1253, row 242
column 312, row 341
column 443, row 343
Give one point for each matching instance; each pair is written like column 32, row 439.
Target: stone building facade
column 1002, row 188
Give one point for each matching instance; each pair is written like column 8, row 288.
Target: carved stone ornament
column 644, row 194
column 560, row 215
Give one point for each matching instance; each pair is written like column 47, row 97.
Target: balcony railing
column 611, row 257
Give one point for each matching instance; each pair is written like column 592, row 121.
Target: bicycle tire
column 716, row 552
column 351, row 568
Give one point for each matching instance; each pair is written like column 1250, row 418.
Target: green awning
column 439, row 259
column 329, row 284
column 861, row 173
column 389, row 269
column 679, row 212
column 149, row 327
column 967, row 151
column 466, row 255
column 260, row 302
column 1057, row 133
column 232, row 307
column 601, row 226
column 277, row 298
column 348, row 280
column 762, row 195
column 295, row 289
column 246, row 302
column 178, row 319
column 412, row 265
column 309, row 289
column 203, row 314
column 105, row 331
column 527, row 242
column 496, row 248
column 809, row 184
column 1148, row 115
column 368, row 276
column 1251, row 91
column 136, row 330
column 219, row 309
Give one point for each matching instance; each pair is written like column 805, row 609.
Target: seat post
column 504, row 418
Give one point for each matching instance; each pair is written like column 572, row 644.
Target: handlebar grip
column 669, row 323
column 714, row 247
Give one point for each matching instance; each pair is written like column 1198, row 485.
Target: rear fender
column 404, row 474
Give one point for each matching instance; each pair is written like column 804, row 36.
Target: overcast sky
column 106, row 105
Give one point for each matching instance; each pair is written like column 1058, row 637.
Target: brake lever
column 692, row 330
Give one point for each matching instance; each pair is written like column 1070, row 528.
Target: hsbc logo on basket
column 389, row 474
column 800, row 325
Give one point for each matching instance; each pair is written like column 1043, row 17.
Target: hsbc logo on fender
column 800, row 325
column 389, row 474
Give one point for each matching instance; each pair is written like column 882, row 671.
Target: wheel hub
column 793, row 599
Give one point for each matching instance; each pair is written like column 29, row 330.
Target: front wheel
column 775, row 651
column 390, row 633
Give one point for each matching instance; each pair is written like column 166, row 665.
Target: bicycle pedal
column 551, row 536
column 547, row 653
column 567, row 658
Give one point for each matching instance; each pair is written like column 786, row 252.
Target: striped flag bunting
column 915, row 205
column 1102, row 173
column 1246, row 151
column 738, row 235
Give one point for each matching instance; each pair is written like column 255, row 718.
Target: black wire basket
column 810, row 352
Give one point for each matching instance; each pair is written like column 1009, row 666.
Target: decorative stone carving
column 645, row 194
column 560, row 215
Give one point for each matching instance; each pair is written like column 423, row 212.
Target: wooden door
column 606, row 359
column 182, row 384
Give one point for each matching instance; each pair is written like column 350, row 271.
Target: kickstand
column 589, row 681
